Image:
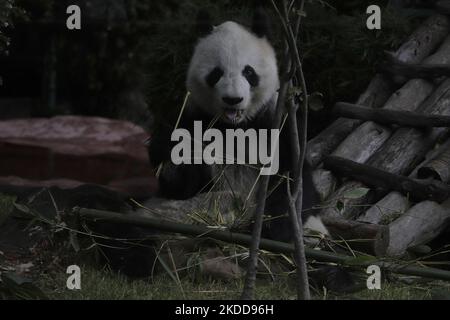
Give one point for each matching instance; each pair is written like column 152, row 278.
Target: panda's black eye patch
column 214, row 76
column 252, row 77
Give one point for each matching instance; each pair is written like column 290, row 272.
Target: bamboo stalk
column 385, row 116
column 245, row 240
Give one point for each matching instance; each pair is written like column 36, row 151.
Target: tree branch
column 386, row 116
column 418, row 190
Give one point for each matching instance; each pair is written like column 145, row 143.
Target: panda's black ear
column 260, row 25
column 204, row 24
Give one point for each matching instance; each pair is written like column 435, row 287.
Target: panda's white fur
column 232, row 47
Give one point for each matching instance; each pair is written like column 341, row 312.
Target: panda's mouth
column 233, row 115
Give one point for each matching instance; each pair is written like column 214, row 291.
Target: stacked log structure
column 393, row 142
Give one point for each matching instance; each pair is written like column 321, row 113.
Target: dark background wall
column 129, row 59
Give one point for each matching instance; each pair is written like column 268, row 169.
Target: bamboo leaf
column 357, row 193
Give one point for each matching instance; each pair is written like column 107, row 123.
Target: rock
column 215, row 265
column 67, row 151
column 21, row 182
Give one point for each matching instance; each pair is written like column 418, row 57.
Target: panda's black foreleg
column 181, row 182
column 279, row 228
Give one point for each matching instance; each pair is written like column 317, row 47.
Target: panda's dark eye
column 214, row 76
column 250, row 74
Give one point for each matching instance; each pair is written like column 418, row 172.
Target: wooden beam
column 374, row 177
column 415, row 71
column 389, row 117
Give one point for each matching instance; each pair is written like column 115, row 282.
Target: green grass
column 97, row 284
column 104, row 285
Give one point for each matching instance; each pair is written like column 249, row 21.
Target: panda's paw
column 314, row 230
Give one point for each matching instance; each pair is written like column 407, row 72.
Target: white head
column 233, row 73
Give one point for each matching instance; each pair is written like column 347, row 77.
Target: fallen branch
column 416, row 71
column 389, row 117
column 375, row 177
column 245, row 240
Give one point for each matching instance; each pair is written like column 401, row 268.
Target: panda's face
column 233, row 73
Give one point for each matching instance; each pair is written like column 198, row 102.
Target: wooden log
column 435, row 65
column 439, row 167
column 421, row 224
column 409, row 97
column 415, row 71
column 418, row 46
column 403, row 151
column 400, row 154
column 394, row 203
column 387, row 209
column 371, row 176
column 424, row 40
column 376, row 94
column 408, row 146
column 363, row 142
column 326, row 141
column 347, row 230
column 432, row 32
column 389, row 117
column 433, row 153
column 441, row 56
column 363, row 236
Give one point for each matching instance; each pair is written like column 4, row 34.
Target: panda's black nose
column 232, row 101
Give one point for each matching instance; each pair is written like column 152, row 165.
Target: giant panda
column 233, row 83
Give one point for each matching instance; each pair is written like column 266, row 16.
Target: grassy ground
column 97, row 284
column 39, row 267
